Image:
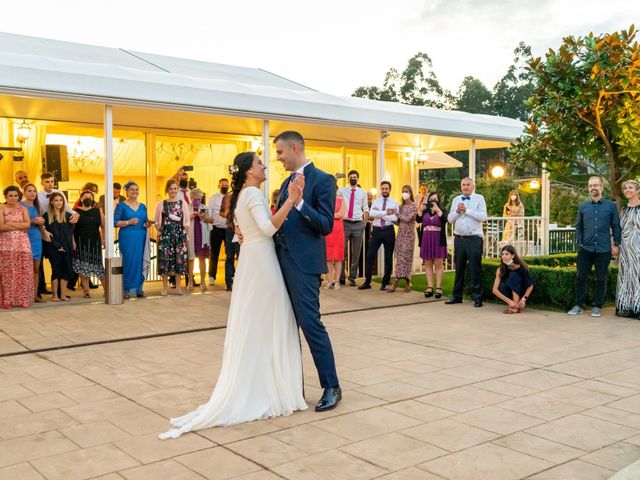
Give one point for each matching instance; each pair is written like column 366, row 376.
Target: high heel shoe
column 392, row 288
column 407, row 287
column 438, row 293
column 86, row 293
column 428, row 293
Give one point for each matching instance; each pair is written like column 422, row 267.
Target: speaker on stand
column 55, row 160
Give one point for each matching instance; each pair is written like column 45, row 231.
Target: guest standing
column 172, row 222
column 405, row 240
column 422, row 198
column 57, row 221
column 468, row 211
column 30, row 201
column 513, row 284
column 513, row 208
column 89, row 238
column 231, row 244
column 16, row 263
column 199, row 235
column 433, row 217
column 384, row 212
column 628, row 291
column 335, row 245
column 131, row 218
column 218, row 233
column 354, row 222
column 596, row 223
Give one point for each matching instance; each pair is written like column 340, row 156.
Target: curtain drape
column 32, row 163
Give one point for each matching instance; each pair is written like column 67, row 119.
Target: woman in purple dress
column 433, row 250
column 405, row 240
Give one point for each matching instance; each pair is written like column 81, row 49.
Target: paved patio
column 431, row 392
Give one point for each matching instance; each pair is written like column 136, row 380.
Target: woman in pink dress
column 16, row 264
column 335, row 245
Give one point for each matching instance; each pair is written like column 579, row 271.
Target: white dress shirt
column 43, row 201
column 360, row 202
column 185, row 196
column 469, row 222
column 378, row 213
column 215, row 203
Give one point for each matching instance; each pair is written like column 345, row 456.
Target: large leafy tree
column 473, row 97
column 585, row 110
column 417, row 84
column 515, row 87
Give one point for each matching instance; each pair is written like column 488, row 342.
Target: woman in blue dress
column 131, row 218
column 30, row 200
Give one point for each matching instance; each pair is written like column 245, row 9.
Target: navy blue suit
column 300, row 246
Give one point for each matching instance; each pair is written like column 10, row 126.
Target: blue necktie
column 466, row 198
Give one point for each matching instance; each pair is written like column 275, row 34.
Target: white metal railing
column 526, row 234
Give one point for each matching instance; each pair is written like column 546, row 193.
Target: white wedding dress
column 261, row 373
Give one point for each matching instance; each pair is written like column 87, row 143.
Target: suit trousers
column 232, row 250
column 586, row 261
column 304, row 291
column 385, row 236
column 353, row 235
column 217, row 237
column 468, row 251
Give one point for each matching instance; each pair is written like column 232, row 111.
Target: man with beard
column 596, row 223
column 384, row 211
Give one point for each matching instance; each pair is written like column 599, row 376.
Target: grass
column 419, row 282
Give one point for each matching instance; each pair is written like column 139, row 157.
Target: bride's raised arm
column 260, row 212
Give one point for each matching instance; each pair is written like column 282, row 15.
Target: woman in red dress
column 335, row 245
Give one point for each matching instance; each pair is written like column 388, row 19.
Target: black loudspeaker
column 54, row 160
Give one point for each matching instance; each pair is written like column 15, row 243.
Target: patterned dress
column 628, row 291
column 405, row 240
column 335, row 240
column 172, row 241
column 16, row 262
column 87, row 258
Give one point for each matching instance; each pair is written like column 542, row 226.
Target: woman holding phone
column 132, row 221
column 433, row 217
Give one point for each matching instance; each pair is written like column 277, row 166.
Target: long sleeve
column 259, row 211
column 579, row 227
column 186, row 215
column 478, row 213
column 453, row 215
column 117, row 214
column 364, row 203
column 615, row 225
column 408, row 213
column 320, row 218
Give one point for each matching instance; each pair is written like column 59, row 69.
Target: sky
column 330, row 45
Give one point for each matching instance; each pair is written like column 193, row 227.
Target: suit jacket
column 101, row 200
column 303, row 232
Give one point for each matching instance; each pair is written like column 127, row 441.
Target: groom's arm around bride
column 300, row 246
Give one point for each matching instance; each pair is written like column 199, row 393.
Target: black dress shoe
column 451, row 301
column 477, row 303
column 329, row 400
column 229, row 288
column 365, row 286
column 352, row 283
column 383, row 286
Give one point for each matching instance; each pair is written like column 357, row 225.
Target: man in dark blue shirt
column 597, row 221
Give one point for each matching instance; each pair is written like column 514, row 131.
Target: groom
column 300, row 247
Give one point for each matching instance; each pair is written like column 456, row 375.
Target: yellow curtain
column 32, row 163
column 397, row 171
column 364, row 162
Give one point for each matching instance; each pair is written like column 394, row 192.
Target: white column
column 545, row 210
column 380, row 169
column 265, row 157
column 152, row 173
column 472, row 159
column 108, row 179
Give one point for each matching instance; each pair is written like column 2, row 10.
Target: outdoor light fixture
column 534, row 184
column 23, row 132
column 373, row 191
column 497, row 171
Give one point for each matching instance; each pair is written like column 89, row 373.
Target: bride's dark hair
column 241, row 164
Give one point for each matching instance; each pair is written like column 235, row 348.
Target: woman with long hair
column 16, row 263
column 199, row 230
column 405, row 240
column 335, row 244
column 261, row 373
column 513, row 208
column 628, row 291
column 36, row 229
column 172, row 219
column 59, row 246
column 513, row 284
column 131, row 219
column 433, row 251
column 89, row 237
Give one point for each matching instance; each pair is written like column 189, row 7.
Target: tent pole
column 381, row 177
column 472, row 159
column 545, row 191
column 265, row 158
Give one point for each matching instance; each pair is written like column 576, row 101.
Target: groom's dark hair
column 290, row 136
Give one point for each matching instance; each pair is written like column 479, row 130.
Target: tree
column 416, row 85
column 585, row 110
column 515, row 87
column 473, row 97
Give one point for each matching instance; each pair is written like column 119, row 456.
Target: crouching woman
column 513, row 284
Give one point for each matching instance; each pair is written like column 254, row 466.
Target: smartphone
column 187, row 168
column 151, row 222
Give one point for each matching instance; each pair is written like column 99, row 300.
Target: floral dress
column 172, row 241
column 405, row 240
column 16, row 262
column 87, row 258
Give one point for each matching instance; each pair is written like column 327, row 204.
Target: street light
column 534, row 184
column 497, row 171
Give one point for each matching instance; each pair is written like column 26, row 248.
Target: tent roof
column 68, row 71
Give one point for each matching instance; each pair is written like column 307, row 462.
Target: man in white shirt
column 467, row 213
column 219, row 231
column 355, row 198
column 384, row 211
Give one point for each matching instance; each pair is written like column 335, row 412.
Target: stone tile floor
column 430, row 392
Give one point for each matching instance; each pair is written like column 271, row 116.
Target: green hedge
column 554, row 278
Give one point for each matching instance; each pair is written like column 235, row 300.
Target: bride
column 261, row 374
